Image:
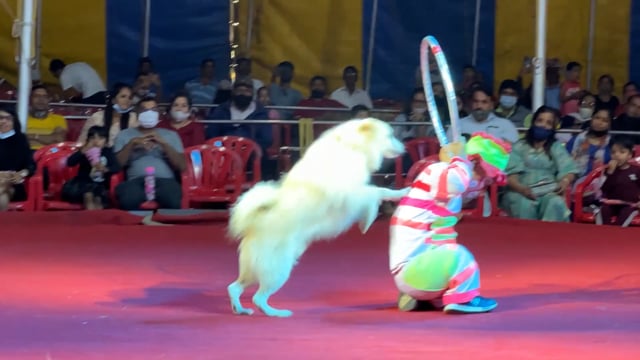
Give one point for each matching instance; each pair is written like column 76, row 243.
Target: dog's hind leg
column 270, row 283
column 235, row 289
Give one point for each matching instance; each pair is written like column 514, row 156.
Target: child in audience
column 621, row 188
column 96, row 164
column 571, row 89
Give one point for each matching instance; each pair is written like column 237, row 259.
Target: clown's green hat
column 491, row 150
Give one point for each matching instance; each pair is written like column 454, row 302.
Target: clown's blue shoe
column 475, row 306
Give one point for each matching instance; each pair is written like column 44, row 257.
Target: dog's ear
column 366, row 127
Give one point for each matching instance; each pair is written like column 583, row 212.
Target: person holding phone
column 148, row 146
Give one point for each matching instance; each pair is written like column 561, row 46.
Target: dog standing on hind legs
column 325, row 194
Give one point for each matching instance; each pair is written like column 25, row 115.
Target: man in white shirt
column 349, row 95
column 482, row 119
column 243, row 71
column 79, row 80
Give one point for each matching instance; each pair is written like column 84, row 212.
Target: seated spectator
column 415, row 111
column 202, row 90
column 79, row 81
column 117, row 115
column 145, row 147
column 148, row 83
column 96, row 163
column 508, row 106
column 243, row 71
column 360, row 112
column 630, row 119
column 280, row 91
column 482, row 118
column 605, row 98
column 16, row 161
column 349, row 95
column 43, row 127
column 318, row 99
column 265, row 100
column 580, row 119
column 590, row 149
column 540, row 172
column 628, row 90
column 181, row 120
column 621, row 186
column 241, row 107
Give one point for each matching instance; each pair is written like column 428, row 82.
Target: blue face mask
column 540, row 133
column 7, row 134
column 120, row 110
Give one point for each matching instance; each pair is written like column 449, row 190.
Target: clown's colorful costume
column 426, row 261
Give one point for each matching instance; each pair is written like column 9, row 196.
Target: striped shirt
column 427, row 215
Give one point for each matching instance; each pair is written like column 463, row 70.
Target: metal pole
column 592, row 35
column 247, row 46
column 476, row 34
column 147, row 28
column 38, row 39
column 539, row 61
column 372, row 40
column 26, row 38
column 234, row 22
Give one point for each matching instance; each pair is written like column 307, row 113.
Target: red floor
column 72, row 288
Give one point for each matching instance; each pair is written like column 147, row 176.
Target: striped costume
column 425, row 259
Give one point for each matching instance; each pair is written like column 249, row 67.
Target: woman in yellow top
column 117, row 115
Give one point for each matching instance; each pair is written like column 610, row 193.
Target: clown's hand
column 451, row 150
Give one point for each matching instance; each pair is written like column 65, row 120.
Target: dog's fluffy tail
column 246, row 211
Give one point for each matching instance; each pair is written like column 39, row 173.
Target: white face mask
column 149, row 119
column 420, row 110
column 585, row 112
column 508, row 101
column 120, row 110
column 180, row 116
column 7, row 134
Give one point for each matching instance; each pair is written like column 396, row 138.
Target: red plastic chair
column 580, row 214
column 246, row 148
column 636, row 150
column 214, row 175
column 70, row 146
column 417, row 149
column 74, row 129
column 33, row 186
column 58, row 173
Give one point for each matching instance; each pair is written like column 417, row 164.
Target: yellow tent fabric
column 567, row 36
column 72, row 31
column 298, row 31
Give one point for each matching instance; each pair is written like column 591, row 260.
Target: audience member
column 540, row 172
column 628, row 90
column 630, row 119
column 147, row 146
column 414, row 111
column 181, row 120
column 508, row 106
column 280, row 91
column 265, row 100
column 318, row 99
column 117, row 115
column 79, row 81
column 202, row 90
column 243, row 71
column 349, row 95
column 96, row 163
column 360, row 112
column 148, row 83
column 571, row 89
column 605, row 98
column 482, row 118
column 590, row 149
column 43, row 127
column 621, row 187
column 16, row 161
column 580, row 119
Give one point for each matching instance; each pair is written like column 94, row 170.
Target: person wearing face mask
column 590, row 149
column 483, row 119
column 116, row 116
column 318, row 99
column 241, row 107
column 508, row 106
column 181, row 120
column 148, row 146
column 16, row 160
column 415, row 110
column 280, row 90
column 579, row 120
column 540, row 172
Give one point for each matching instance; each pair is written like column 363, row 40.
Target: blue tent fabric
column 180, row 38
column 400, row 27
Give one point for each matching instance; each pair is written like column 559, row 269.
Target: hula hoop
column 430, row 44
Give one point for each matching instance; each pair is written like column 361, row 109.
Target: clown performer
column 430, row 268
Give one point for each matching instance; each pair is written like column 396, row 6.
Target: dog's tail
column 247, row 210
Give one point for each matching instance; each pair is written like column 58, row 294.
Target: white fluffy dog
column 325, row 193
